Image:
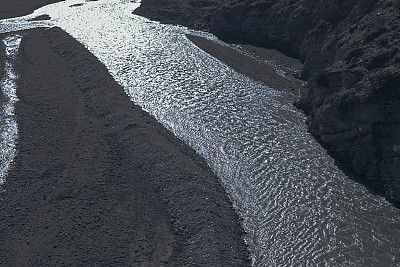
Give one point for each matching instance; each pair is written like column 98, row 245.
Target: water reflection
column 297, row 207
column 8, row 124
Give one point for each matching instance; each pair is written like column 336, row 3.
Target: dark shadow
column 76, row 5
column 42, row 17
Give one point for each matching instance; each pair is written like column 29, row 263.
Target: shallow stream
column 297, row 207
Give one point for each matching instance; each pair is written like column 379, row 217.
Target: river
column 297, row 207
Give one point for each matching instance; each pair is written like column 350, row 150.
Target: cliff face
column 351, row 57
column 353, row 94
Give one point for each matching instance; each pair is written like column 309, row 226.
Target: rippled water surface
column 8, row 86
column 297, row 207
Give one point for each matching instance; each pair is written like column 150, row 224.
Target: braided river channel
column 297, row 207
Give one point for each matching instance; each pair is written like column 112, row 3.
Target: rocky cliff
column 351, row 61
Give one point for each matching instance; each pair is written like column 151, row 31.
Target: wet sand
column 97, row 181
column 263, row 70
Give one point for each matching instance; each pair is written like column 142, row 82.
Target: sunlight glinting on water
column 8, row 124
column 297, row 207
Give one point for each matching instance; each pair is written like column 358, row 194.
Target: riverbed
column 297, row 206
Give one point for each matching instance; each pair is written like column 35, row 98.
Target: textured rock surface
column 350, row 51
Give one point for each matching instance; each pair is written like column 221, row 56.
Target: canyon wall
column 351, row 62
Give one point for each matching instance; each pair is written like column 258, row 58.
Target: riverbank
column 11, row 9
column 97, row 181
column 268, row 66
column 351, row 63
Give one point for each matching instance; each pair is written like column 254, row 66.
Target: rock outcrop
column 350, row 51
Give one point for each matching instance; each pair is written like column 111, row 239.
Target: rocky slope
column 351, row 60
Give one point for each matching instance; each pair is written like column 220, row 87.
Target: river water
column 8, row 123
column 297, row 207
